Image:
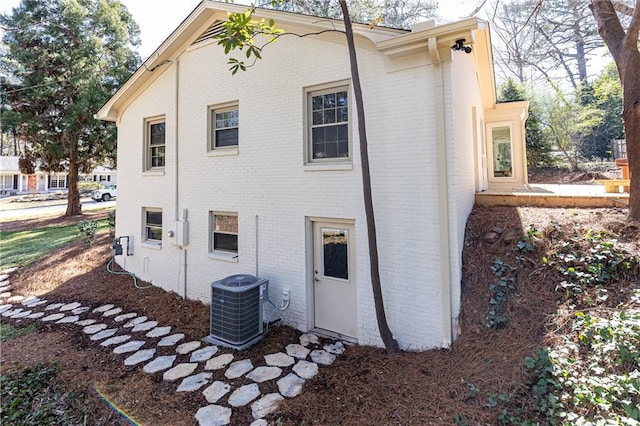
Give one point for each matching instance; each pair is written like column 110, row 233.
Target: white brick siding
column 267, row 179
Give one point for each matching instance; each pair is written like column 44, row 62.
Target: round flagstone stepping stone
column 36, row 315
column 115, row 340
column 290, row 385
column 86, row 322
column 5, row 308
column 266, row 405
column 12, row 312
column 218, row 362
column 171, row 340
column 244, row 395
column 140, row 356
column 53, row 306
column 216, row 391
column 91, row 329
column 15, row 299
column 54, row 317
column 145, row 326
column 193, row 383
column 159, row 364
column 203, row 354
column 81, row 310
column 179, row 371
column 123, row 317
column 322, row 357
column 213, row 415
column 238, row 368
column 279, row 360
column 4, row 277
column 70, row 306
column 185, row 348
column 29, row 300
column 103, row 308
column 135, row 321
column 259, row 422
column 297, row 351
column 5, row 294
column 65, row 320
column 21, row 314
column 159, row 331
column 112, row 312
column 262, row 374
column 131, row 346
column 305, row 369
column 38, row 303
column 104, row 334
column 336, row 348
column 307, row 339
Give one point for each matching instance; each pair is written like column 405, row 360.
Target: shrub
column 88, row 230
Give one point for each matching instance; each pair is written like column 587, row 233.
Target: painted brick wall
column 267, row 183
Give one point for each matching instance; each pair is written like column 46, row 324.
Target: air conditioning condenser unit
column 236, row 311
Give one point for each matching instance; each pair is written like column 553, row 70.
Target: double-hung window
column 224, row 121
column 224, row 232
column 155, row 143
column 328, row 118
column 152, row 219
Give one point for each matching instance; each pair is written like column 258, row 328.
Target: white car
column 104, row 194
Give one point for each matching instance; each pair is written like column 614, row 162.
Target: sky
column 158, row 18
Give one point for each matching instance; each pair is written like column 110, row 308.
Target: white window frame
column 491, row 151
column 147, row 143
column 309, row 93
column 146, row 225
column 221, row 253
column 58, row 181
column 211, row 120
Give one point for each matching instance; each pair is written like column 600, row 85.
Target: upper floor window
column 328, row 118
column 155, row 143
column 224, row 126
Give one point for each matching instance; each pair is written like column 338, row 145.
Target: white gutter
column 443, row 191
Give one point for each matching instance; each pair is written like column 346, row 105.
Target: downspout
column 177, row 165
column 443, row 190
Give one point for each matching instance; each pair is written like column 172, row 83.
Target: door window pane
column 335, row 253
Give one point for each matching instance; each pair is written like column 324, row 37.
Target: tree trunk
column 624, row 49
column 390, row 343
column 74, row 207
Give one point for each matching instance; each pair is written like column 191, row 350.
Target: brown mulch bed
column 365, row 385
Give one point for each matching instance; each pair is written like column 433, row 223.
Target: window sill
column 226, row 257
column 223, row 152
column 153, row 173
column 153, row 246
column 317, row 167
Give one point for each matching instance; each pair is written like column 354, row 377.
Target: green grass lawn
column 20, row 248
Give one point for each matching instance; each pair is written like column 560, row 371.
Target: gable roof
column 206, row 19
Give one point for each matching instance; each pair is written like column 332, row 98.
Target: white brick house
column 259, row 173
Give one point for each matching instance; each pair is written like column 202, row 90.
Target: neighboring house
column 13, row 181
column 259, row 173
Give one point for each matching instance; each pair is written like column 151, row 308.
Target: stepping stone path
column 198, row 367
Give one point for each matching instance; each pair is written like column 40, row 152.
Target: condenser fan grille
column 236, row 316
column 236, row 310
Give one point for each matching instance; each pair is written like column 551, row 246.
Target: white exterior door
column 334, row 281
